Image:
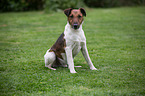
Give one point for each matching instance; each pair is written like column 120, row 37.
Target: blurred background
column 57, row 5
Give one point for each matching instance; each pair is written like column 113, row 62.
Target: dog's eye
column 71, row 16
column 79, row 16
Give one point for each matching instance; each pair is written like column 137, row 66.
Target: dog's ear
column 83, row 11
column 67, row 11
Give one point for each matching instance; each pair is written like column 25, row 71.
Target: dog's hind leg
column 50, row 58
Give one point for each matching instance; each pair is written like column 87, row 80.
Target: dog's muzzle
column 75, row 26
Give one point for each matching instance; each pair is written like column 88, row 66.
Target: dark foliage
column 113, row 3
column 21, row 5
column 55, row 5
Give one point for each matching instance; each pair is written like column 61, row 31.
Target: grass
column 116, row 44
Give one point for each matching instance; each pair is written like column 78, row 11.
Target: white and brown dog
column 70, row 42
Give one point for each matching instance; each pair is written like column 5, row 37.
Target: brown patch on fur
column 58, row 47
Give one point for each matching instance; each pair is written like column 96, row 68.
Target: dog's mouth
column 75, row 26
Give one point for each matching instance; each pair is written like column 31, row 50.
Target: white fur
column 49, row 59
column 75, row 41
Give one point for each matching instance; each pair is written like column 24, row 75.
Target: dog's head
column 75, row 17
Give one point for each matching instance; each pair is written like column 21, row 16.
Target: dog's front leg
column 86, row 55
column 70, row 62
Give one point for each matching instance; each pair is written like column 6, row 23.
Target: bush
column 113, row 3
column 55, row 5
column 21, row 5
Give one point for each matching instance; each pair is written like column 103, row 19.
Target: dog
column 70, row 42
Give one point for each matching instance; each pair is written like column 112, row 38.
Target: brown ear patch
column 67, row 11
column 83, row 11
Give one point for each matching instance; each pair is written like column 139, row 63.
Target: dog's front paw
column 93, row 68
column 73, row 71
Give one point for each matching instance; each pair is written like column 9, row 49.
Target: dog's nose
column 75, row 26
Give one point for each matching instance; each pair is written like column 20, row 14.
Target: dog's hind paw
column 78, row 66
column 50, row 68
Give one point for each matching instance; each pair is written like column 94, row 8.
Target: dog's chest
column 76, row 47
column 74, row 41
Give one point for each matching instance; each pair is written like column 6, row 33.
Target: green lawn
column 115, row 41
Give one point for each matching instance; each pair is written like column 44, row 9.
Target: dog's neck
column 74, row 35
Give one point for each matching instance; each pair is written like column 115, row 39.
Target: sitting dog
column 70, row 42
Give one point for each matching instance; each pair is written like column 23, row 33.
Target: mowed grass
column 115, row 41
